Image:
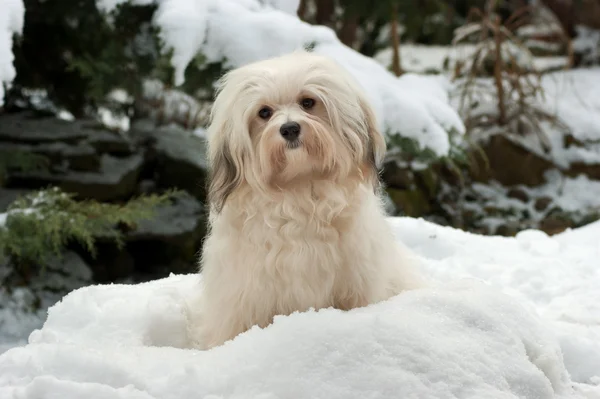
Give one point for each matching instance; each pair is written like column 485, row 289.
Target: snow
column 505, row 317
column 112, row 120
column 572, row 97
column 11, row 23
column 587, row 42
column 268, row 30
column 171, row 105
column 419, row 58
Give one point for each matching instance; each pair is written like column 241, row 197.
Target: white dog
column 295, row 219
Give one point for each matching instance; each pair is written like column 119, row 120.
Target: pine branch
column 41, row 224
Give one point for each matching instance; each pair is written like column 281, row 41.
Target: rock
column 75, row 156
column 518, row 193
column 508, row 229
column 81, row 156
column 542, row 203
column 175, row 233
column 64, row 274
column 180, row 156
column 511, row 164
column 396, row 177
column 167, row 242
column 184, row 216
column 116, row 179
column 112, row 143
column 579, row 168
column 146, row 186
column 556, row 222
column 428, row 180
column 591, row 217
column 23, row 127
column 49, row 282
column 8, row 196
column 110, row 263
column 412, row 203
column 493, row 210
column 470, row 217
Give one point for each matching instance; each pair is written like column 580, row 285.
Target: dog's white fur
column 293, row 228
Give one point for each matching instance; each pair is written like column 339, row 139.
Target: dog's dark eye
column 307, row 103
column 265, row 113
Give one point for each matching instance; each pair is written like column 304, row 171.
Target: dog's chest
column 298, row 238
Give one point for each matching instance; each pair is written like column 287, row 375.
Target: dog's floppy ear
column 225, row 175
column 376, row 146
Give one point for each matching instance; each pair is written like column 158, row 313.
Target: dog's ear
column 225, row 176
column 376, row 146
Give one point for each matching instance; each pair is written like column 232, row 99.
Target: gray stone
column 518, row 193
column 511, row 164
column 180, row 156
column 170, row 241
column 579, row 168
column 116, row 179
column 8, row 196
column 108, row 142
column 170, row 222
column 23, row 127
column 76, row 156
column 542, row 203
column 49, row 282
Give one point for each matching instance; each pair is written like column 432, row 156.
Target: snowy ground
column 462, row 338
column 419, row 58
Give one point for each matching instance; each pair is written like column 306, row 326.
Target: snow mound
column 462, row 340
column 557, row 276
column 531, row 331
column 238, row 32
column 11, row 23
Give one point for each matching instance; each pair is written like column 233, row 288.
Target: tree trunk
column 564, row 12
column 347, row 34
column 498, row 73
column 325, row 11
column 302, row 9
column 396, row 61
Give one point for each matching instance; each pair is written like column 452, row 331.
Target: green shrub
column 39, row 225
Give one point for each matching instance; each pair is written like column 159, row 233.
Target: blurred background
column 491, row 111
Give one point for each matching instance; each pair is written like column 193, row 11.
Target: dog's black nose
column 290, row 131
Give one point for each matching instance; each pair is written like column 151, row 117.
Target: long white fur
column 293, row 229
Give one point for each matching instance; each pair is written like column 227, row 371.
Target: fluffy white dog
column 295, row 219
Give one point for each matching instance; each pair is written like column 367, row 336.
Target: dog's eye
column 307, row 103
column 265, row 113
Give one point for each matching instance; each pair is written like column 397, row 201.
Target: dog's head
column 289, row 119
